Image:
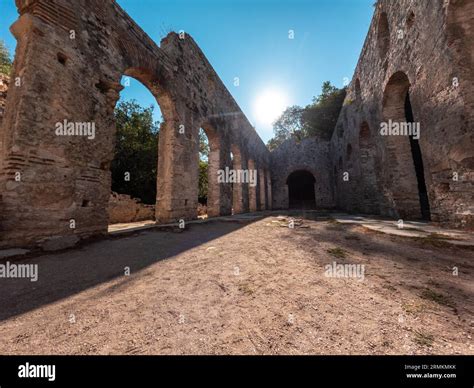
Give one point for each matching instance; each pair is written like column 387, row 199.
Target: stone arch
column 301, row 189
column 123, row 174
column 64, row 173
column 147, row 77
column 383, row 35
column 150, row 78
column 406, row 179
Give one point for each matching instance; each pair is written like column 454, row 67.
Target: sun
column 269, row 106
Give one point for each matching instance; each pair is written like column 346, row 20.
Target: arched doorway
column 137, row 117
column 301, row 193
column 408, row 185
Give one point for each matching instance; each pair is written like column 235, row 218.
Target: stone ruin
column 123, row 208
column 415, row 66
column 70, row 58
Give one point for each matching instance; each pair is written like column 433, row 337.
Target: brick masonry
column 71, row 57
column 66, row 178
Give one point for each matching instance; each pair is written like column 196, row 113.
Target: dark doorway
column 301, row 190
column 418, row 162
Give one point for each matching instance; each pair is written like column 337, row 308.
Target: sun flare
column 269, row 106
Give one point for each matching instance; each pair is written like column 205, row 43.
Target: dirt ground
column 244, row 288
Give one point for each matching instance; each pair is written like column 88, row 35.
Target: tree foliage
column 316, row 119
column 320, row 118
column 203, row 145
column 5, row 60
column 203, row 166
column 203, row 181
column 288, row 125
column 136, row 151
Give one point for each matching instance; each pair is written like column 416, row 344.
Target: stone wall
column 71, row 56
column 425, row 49
column 123, row 209
column 310, row 155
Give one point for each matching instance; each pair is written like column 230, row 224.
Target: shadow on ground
column 421, row 259
column 61, row 275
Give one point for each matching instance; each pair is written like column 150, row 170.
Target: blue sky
column 249, row 39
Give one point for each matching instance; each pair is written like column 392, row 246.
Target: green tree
column 288, row 125
column 5, row 60
column 203, row 166
column 136, row 151
column 203, row 145
column 320, row 117
column 203, row 181
column 316, row 119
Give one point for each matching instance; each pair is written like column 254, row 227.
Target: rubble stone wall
column 124, row 209
column 425, row 49
column 311, row 155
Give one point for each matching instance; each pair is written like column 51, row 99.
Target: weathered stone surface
column 376, row 174
column 123, row 209
column 14, row 252
column 59, row 243
column 424, row 47
column 310, row 155
column 67, row 178
column 421, row 49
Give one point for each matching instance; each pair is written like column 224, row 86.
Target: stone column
column 214, row 187
column 252, row 189
column 219, row 194
column 262, row 184
column 269, row 191
column 245, row 188
column 237, row 192
column 55, row 186
column 178, row 167
column 225, row 188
